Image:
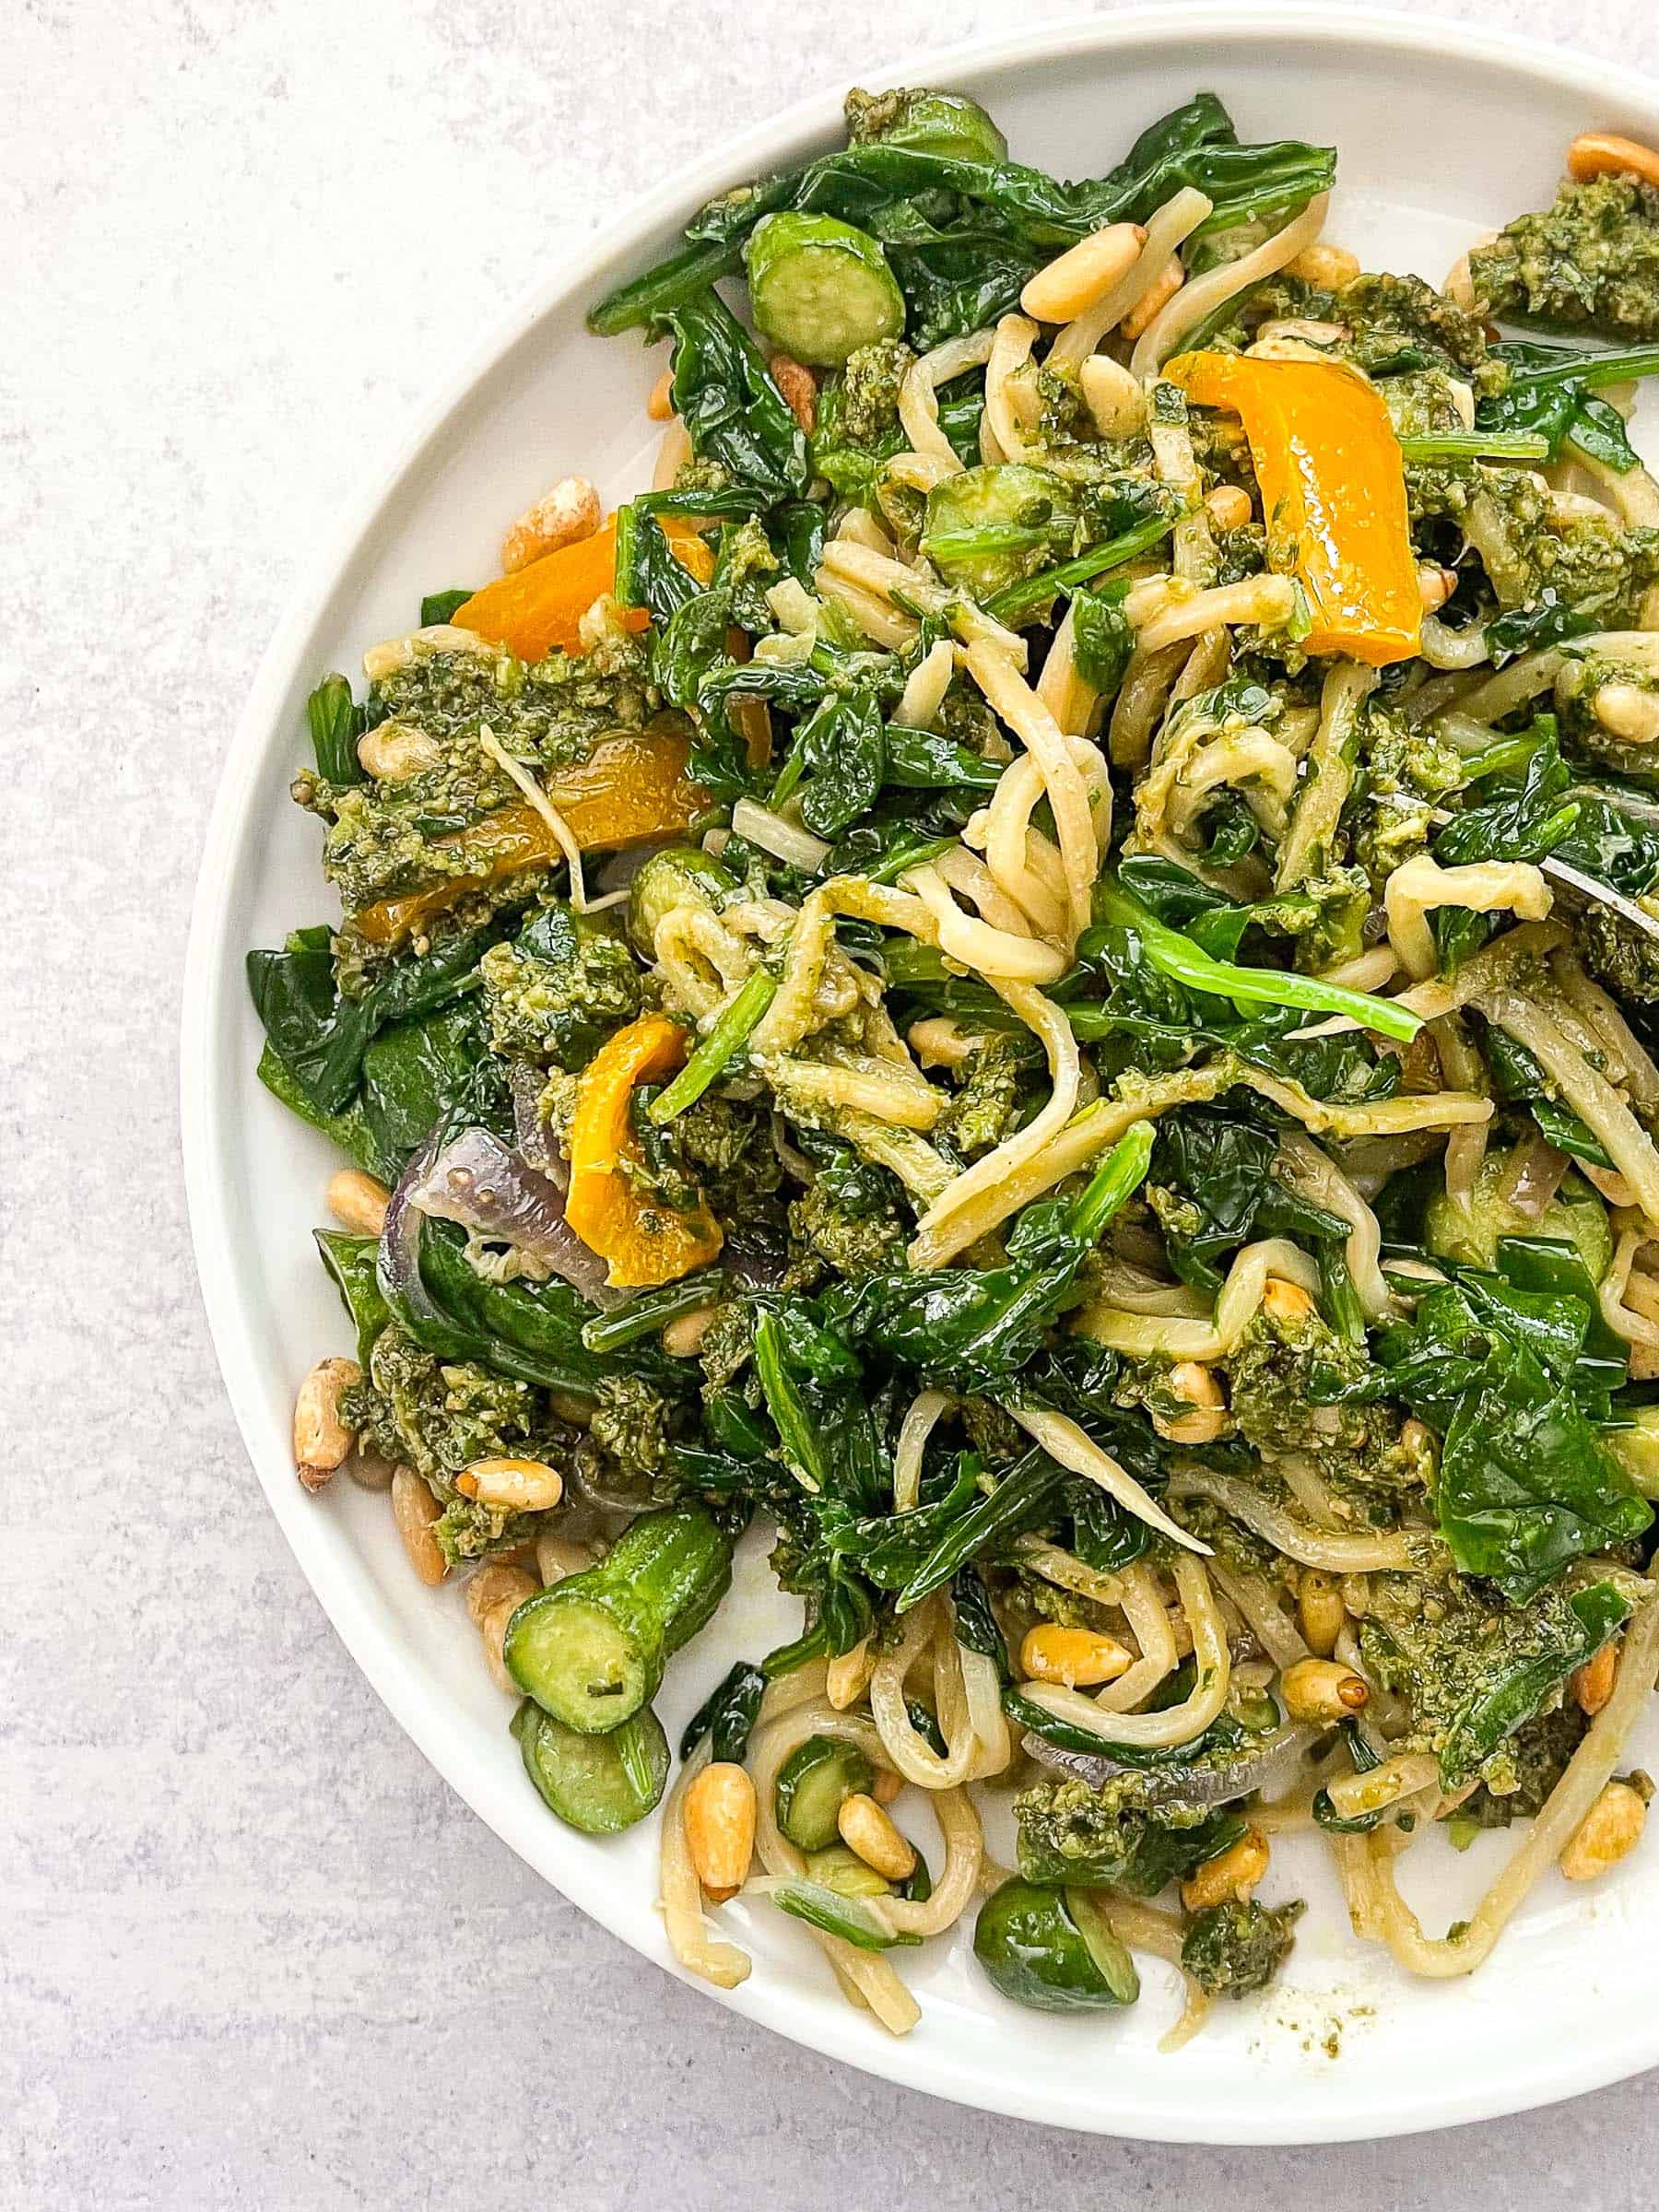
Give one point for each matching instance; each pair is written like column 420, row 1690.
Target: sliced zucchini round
column 600, row 1785
column 819, row 289
column 813, row 1782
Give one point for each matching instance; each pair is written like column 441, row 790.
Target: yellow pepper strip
column 631, row 788
column 643, row 1245
column 541, row 606
column 1333, row 490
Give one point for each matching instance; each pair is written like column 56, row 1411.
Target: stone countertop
column 253, row 1951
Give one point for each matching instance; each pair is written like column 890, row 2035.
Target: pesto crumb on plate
column 1037, row 972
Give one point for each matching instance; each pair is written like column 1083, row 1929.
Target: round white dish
column 1439, row 136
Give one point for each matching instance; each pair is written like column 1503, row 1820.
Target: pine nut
column 1233, row 1873
column 799, row 387
column 1083, row 274
column 1459, row 286
column 660, row 405
column 866, row 1831
column 415, row 1509
column 1592, row 1683
column 1115, row 397
column 1229, row 506
column 682, row 1338
column 494, row 1582
column 1435, row 586
column 357, row 1201
column 512, row 1486
column 556, row 1557
column 395, row 753
column 1192, row 1382
column 321, row 1439
column 1321, row 1611
column 720, row 1828
column 1078, row 1658
column 1329, row 267
column 564, row 516
column 492, row 1633
column 1602, row 154
column 1609, row 1832
column 1285, row 1302
column 1322, row 1690
column 887, row 1785
column 1628, row 711
column 1142, row 316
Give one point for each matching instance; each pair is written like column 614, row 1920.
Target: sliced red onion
column 1534, row 1175
column 1274, row 1763
column 400, row 1237
column 488, row 1188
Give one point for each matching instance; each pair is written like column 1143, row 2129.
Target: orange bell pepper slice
column 631, row 788
column 541, row 606
column 1333, row 492
column 643, row 1245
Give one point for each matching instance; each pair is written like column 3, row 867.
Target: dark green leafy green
column 335, row 724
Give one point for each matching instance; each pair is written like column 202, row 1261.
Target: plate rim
column 440, row 1734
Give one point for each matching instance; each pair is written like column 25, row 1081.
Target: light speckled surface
column 254, row 1953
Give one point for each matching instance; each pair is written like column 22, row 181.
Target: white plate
column 1439, row 136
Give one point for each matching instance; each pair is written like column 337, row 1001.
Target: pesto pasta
column 1036, row 972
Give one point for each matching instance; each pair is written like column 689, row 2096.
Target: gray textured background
column 252, row 1951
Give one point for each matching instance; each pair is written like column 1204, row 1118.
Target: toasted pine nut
column 1435, row 585
column 492, row 1632
column 1083, row 274
column 415, row 1509
column 512, row 1486
column 1628, row 711
column 1321, row 1611
column 720, row 1828
column 494, row 1582
column 564, row 516
column 393, row 653
column 1229, row 506
column 395, row 753
column 866, row 1831
column 1330, row 267
column 939, row 1041
column 660, row 405
column 1141, row 316
column 799, row 387
column 556, row 1557
column 1592, row 1683
column 1282, row 1300
column 1233, row 1873
column 369, row 1470
column 847, row 1678
column 1322, row 1690
column 1113, row 395
column 1602, row 154
column 887, row 1785
column 357, row 1201
column 321, row 1439
column 1459, row 286
column 1609, row 1832
column 1189, row 1379
column 682, row 1339
column 1078, row 1657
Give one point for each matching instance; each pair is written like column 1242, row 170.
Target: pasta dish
column 1037, row 973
